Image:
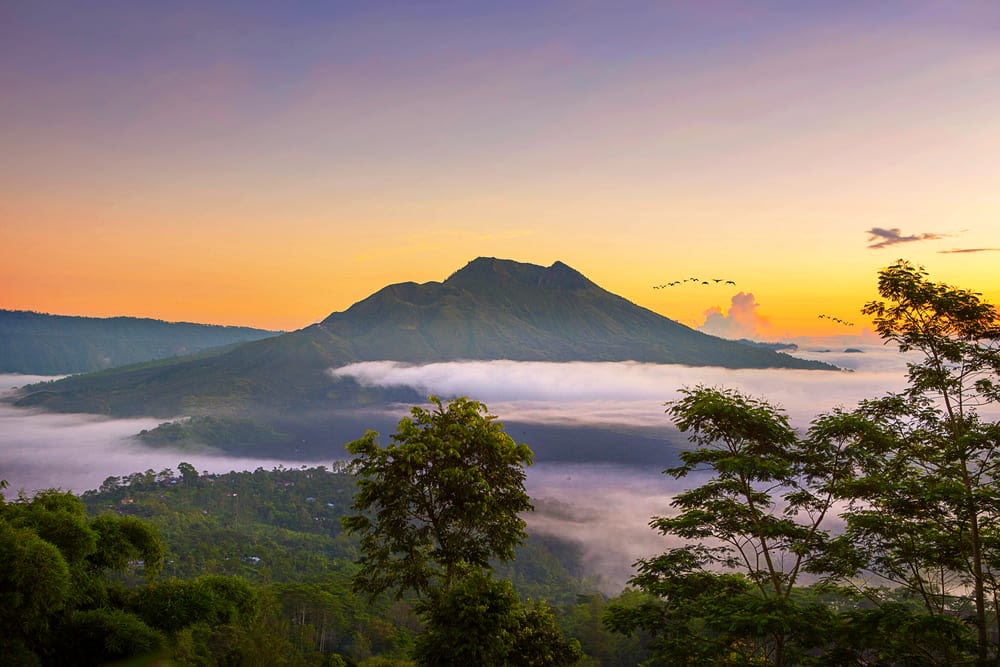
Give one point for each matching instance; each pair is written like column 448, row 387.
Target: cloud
column 40, row 450
column 14, row 380
column 742, row 321
column 965, row 250
column 604, row 510
column 632, row 393
column 601, row 507
column 893, row 236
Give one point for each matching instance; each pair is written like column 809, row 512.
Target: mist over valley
column 598, row 430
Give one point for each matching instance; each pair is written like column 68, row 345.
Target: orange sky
column 266, row 166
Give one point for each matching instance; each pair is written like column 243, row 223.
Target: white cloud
column 742, row 320
column 632, row 393
column 603, row 508
column 40, row 450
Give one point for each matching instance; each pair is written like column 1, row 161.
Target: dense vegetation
column 210, row 431
column 872, row 538
column 253, row 568
column 911, row 476
column 42, row 344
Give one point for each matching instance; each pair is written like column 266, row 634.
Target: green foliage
column 122, row 540
column 211, row 431
column 55, row 604
column 924, row 512
column 754, row 460
column 280, row 530
column 34, row 582
column 59, row 518
column 213, row 600
column 481, row 621
column 17, row 654
column 98, row 636
column 915, row 473
column 695, row 616
column 443, row 499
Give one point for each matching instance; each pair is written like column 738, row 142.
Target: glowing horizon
column 266, row 165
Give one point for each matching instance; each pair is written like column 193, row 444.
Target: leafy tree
column 441, row 500
column 98, row 636
column 925, row 505
column 122, row 540
column 56, row 606
column 188, row 472
column 916, row 471
column 34, row 582
column 212, row 599
column 481, row 621
column 601, row 646
column 759, row 515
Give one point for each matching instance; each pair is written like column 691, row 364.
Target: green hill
column 43, row 344
column 499, row 309
column 490, row 309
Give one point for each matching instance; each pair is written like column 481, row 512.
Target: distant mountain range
column 490, row 309
column 43, row 344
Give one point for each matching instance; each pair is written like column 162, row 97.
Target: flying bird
column 836, row 319
column 696, row 281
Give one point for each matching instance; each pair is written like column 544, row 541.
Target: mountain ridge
column 489, row 309
column 42, row 343
column 501, row 309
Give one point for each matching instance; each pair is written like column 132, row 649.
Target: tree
column 213, row 600
column 925, row 503
column 99, row 636
column 34, row 582
column 188, row 472
column 481, row 621
column 55, row 604
column 440, row 501
column 756, row 524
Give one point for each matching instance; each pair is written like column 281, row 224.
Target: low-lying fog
column 604, row 507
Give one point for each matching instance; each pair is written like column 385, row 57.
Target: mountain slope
column 57, row 344
column 499, row 309
column 490, row 309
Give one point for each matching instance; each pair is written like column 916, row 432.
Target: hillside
column 499, row 309
column 490, row 309
column 37, row 343
column 280, row 531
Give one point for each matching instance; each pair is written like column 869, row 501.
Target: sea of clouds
column 601, row 507
column 633, row 393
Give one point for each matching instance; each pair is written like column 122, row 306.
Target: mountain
column 499, row 309
column 490, row 309
column 44, row 344
column 38, row 343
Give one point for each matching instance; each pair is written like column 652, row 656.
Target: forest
column 870, row 538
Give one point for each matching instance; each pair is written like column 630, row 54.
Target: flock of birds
column 836, row 319
column 673, row 283
column 696, row 281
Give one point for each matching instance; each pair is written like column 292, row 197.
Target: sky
column 266, row 164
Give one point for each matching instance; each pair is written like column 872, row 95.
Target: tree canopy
column 912, row 477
